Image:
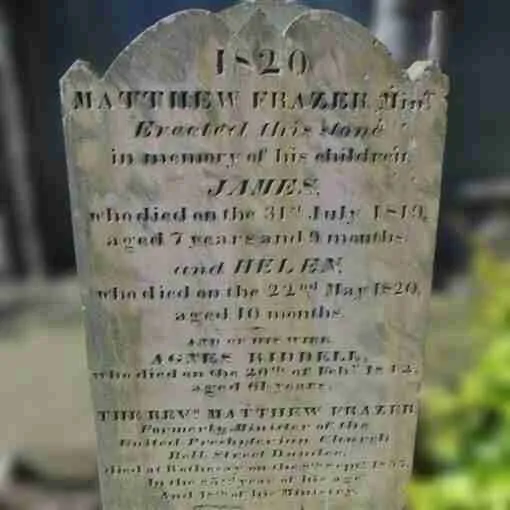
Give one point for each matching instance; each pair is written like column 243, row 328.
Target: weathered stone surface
column 255, row 197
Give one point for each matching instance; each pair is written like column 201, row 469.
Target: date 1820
column 265, row 61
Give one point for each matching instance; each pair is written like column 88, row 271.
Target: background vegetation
column 464, row 462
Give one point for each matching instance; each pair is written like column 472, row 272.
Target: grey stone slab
column 255, row 199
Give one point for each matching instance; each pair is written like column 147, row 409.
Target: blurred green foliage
column 466, row 429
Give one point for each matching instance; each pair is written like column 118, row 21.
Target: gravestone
column 255, row 198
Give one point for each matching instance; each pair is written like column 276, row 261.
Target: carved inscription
column 255, row 207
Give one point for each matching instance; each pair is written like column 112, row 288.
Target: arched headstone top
column 179, row 41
